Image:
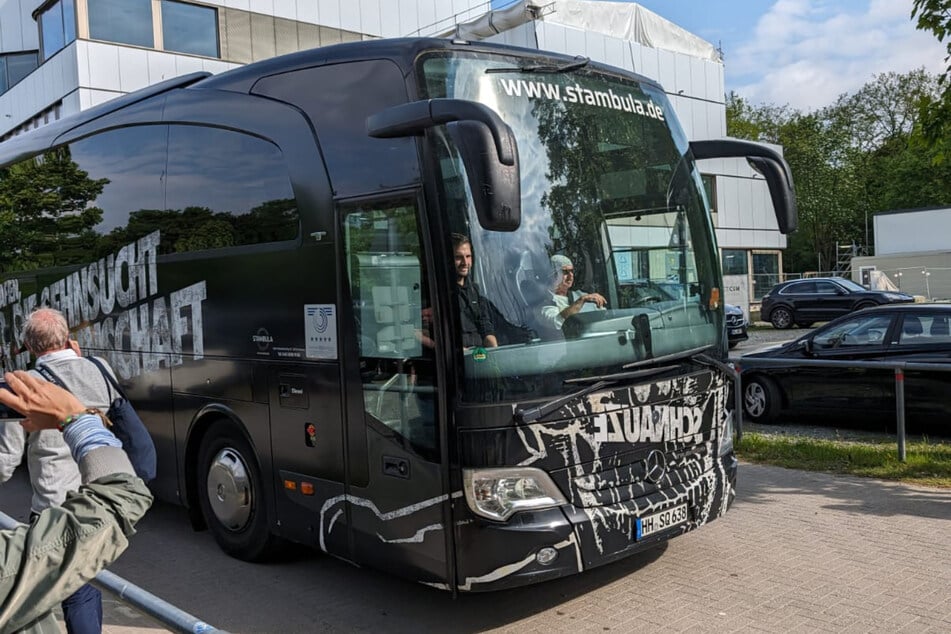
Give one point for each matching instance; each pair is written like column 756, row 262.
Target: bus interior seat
column 533, row 281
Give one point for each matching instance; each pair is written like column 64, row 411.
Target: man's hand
column 595, row 298
column 44, row 404
column 574, row 308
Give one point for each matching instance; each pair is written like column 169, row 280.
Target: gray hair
column 558, row 262
column 45, row 331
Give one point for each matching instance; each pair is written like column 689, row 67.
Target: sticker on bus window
column 478, row 354
column 320, row 331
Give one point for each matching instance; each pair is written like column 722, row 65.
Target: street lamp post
column 927, row 274
column 867, row 251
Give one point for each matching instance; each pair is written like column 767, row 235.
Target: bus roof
column 242, row 79
column 35, row 141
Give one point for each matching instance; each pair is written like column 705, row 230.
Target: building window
column 14, row 67
column 57, row 26
column 735, row 262
column 710, row 189
column 765, row 273
column 188, row 28
column 122, row 21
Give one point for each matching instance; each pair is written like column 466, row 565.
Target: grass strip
column 928, row 463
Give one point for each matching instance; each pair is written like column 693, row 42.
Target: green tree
column 862, row 154
column 827, row 188
column 935, row 125
column 46, row 212
column 885, row 149
column 815, row 148
column 755, row 123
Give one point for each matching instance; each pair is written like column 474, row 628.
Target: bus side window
column 338, row 98
column 391, row 312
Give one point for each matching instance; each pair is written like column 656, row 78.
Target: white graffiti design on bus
column 613, row 494
column 112, row 305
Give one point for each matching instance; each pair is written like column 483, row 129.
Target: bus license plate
column 660, row 521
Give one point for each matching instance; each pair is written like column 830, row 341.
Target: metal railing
column 175, row 619
column 898, row 367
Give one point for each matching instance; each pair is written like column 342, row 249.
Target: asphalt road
column 798, row 552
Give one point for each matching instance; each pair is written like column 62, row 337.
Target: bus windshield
column 614, row 261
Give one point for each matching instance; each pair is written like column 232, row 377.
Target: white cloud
column 806, row 53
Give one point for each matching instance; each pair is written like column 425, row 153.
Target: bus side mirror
column 486, row 144
column 767, row 162
column 495, row 187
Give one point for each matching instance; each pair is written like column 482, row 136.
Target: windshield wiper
column 543, row 68
column 684, row 354
column 532, row 414
column 705, row 359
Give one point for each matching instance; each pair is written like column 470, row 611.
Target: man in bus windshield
column 566, row 302
column 477, row 327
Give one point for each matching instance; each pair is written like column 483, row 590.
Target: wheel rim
column 230, row 493
column 755, row 399
column 781, row 318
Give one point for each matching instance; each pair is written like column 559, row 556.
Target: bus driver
column 564, row 301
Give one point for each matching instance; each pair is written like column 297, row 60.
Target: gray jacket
column 52, row 470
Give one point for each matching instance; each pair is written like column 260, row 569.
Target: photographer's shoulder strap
column 108, row 377
column 50, row 376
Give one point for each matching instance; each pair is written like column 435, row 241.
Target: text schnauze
column 648, row 423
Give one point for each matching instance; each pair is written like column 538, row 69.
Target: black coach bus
column 265, row 256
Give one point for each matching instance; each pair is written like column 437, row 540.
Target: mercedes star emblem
column 655, row 466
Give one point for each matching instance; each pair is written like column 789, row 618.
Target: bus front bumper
column 535, row 546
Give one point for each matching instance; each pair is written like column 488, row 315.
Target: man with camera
column 66, row 545
column 52, row 470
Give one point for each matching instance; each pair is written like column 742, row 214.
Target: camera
column 7, row 413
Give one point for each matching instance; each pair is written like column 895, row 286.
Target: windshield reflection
column 614, row 259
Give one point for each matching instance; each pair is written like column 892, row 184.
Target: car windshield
column 614, row 260
column 849, row 284
column 864, row 330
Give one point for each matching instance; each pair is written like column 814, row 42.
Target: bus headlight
column 498, row 493
column 726, row 441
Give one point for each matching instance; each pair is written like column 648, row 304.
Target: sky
column 805, row 53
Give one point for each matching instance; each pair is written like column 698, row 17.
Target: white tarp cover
column 878, row 281
column 632, row 22
column 623, row 20
column 495, row 22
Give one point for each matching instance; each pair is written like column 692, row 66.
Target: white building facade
column 913, row 249
column 59, row 57
column 89, row 51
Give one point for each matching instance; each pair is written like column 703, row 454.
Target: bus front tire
column 231, row 494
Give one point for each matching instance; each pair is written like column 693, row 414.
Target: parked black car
column 736, row 325
column 806, row 301
column 915, row 332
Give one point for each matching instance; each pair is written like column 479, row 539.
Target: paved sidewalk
column 799, row 552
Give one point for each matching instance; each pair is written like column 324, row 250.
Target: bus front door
column 396, row 494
